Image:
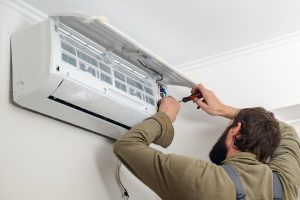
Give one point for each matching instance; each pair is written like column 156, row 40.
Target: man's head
column 253, row 130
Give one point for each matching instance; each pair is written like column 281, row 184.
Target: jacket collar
column 242, row 157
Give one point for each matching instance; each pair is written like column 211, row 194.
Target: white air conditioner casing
column 85, row 72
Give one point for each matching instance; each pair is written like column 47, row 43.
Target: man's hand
column 170, row 107
column 211, row 104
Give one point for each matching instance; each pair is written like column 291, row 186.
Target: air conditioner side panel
column 32, row 59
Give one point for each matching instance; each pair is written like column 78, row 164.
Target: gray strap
column 277, row 188
column 240, row 194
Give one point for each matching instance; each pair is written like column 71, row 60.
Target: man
column 253, row 137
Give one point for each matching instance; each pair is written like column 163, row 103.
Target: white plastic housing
column 66, row 73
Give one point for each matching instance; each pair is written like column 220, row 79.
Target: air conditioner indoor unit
column 83, row 71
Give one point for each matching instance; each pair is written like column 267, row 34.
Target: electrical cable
column 123, row 190
column 156, row 72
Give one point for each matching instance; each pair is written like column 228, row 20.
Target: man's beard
column 219, row 151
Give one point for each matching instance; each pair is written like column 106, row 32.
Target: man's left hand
column 170, row 107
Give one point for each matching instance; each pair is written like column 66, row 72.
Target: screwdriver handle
column 192, row 97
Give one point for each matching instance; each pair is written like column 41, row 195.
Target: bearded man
column 257, row 157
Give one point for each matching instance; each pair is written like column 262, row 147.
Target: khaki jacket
column 175, row 177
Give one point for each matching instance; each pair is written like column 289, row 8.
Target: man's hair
column 259, row 134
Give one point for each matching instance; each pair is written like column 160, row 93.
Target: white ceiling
column 189, row 30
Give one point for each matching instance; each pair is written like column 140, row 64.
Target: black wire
column 125, row 193
column 156, row 72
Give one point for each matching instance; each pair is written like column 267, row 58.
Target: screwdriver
column 191, row 97
column 186, row 99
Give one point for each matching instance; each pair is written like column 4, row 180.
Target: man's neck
column 231, row 152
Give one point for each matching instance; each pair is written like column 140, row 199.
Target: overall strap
column 240, row 194
column 277, row 188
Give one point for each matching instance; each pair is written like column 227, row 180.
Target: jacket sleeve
column 161, row 172
column 286, row 161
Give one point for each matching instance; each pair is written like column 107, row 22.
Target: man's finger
column 200, row 103
column 170, row 97
column 201, row 88
column 198, row 88
column 195, row 89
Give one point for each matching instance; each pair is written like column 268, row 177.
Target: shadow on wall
column 106, row 162
column 10, row 95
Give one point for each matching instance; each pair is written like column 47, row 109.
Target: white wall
column 44, row 159
column 268, row 78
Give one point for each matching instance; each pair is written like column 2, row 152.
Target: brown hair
column 259, row 134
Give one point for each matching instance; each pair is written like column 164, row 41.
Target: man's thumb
column 200, row 103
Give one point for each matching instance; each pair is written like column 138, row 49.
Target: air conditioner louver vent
column 88, row 112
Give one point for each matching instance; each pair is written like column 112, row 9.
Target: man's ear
column 235, row 134
column 236, row 129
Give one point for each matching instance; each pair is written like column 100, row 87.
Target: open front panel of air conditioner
column 85, row 72
column 123, row 46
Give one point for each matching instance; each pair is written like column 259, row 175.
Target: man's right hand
column 211, row 104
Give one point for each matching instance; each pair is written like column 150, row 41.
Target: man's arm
column 161, row 172
column 286, row 161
